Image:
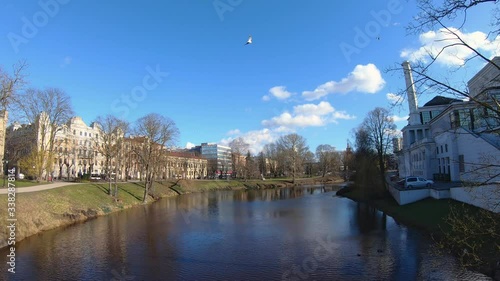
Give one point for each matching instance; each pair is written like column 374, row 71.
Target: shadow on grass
column 172, row 186
column 130, row 193
column 100, row 187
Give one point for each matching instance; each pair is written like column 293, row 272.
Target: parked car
column 412, row 182
column 20, row 176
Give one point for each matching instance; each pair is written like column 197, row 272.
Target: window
column 446, row 147
column 425, row 117
column 81, row 133
column 437, row 150
column 441, row 149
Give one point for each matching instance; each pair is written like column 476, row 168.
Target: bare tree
column 158, row 132
column 109, row 143
column 238, row 149
column 380, row 127
column 294, row 149
column 11, row 83
column 326, row 156
column 48, row 110
column 271, row 159
column 251, row 168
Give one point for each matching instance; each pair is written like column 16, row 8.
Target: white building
column 74, row 150
column 450, row 139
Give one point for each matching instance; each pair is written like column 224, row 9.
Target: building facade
column 77, row 151
column 170, row 165
column 219, row 159
column 74, row 147
column 454, row 140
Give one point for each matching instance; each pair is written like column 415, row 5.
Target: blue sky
column 187, row 60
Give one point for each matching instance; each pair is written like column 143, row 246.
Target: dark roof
column 440, row 100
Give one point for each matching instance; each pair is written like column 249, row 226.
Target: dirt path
column 38, row 187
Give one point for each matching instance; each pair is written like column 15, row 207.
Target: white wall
column 486, row 197
column 477, row 150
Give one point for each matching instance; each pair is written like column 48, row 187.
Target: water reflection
column 283, row 234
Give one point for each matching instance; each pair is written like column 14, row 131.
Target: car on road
column 414, row 182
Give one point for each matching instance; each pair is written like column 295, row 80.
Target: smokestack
column 412, row 95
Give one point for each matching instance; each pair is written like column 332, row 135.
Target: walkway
column 39, row 187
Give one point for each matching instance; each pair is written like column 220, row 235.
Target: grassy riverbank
column 43, row 210
column 432, row 216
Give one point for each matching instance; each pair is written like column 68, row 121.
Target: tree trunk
column 145, row 196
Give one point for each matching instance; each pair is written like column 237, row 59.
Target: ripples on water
column 284, row 234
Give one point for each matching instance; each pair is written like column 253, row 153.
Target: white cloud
column 278, row 92
column 233, row 132
column 288, row 120
column 320, row 109
column 435, row 42
column 394, row 98
column 396, row 118
column 256, row 139
column 364, row 79
column 307, row 115
column 341, row 115
column 190, row 145
column 67, row 61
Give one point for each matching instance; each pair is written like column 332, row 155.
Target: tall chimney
column 412, row 95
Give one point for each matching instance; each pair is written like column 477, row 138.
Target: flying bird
column 249, row 41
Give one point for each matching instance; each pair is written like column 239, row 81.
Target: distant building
column 175, row 164
column 449, row 139
column 75, row 153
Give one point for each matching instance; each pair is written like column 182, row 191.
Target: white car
column 20, row 176
column 412, row 182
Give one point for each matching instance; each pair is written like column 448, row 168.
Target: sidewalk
column 38, row 187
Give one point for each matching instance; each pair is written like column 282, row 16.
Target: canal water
column 304, row 233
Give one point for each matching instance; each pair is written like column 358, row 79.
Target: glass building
column 219, row 159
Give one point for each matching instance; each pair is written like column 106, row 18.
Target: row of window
column 444, row 165
column 82, row 134
column 438, row 148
